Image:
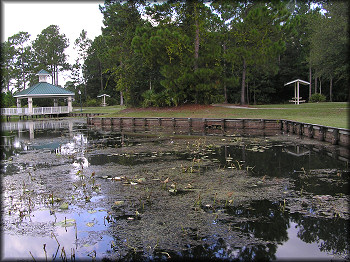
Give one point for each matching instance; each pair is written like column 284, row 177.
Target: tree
column 21, row 58
column 330, row 57
column 257, row 33
column 120, row 20
column 7, row 65
column 49, row 49
column 81, row 45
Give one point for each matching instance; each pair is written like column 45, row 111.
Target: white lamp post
column 81, row 108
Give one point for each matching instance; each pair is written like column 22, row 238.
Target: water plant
column 216, row 194
column 283, row 207
column 228, row 200
column 44, row 247
column 32, row 255
column 63, row 254
column 198, row 201
column 52, row 234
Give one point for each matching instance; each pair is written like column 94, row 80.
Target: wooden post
column 204, row 125
column 335, row 138
column 174, row 123
column 223, row 126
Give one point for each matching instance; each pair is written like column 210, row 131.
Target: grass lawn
column 329, row 114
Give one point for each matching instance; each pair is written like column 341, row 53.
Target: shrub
column 92, row 102
column 7, row 100
column 111, row 101
column 317, row 98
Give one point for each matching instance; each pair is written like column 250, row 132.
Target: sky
column 34, row 16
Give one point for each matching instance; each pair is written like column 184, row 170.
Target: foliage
column 92, row 102
column 49, row 49
column 7, row 100
column 170, row 53
column 317, row 97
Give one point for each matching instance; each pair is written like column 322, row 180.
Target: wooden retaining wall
column 335, row 136
column 76, row 114
column 191, row 125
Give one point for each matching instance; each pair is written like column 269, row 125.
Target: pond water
column 71, row 191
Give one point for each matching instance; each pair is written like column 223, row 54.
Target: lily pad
column 90, row 224
column 66, row 223
column 141, row 180
column 64, row 205
column 118, row 203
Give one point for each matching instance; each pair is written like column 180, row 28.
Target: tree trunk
column 101, row 79
column 315, row 84
column 52, row 74
column 247, row 93
column 56, row 75
column 254, row 93
column 330, row 89
column 121, row 98
column 243, row 82
column 150, row 82
column 320, row 86
column 225, row 88
column 310, row 79
column 23, row 75
column 196, row 46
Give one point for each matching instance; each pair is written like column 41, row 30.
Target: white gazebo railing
column 14, row 111
column 36, row 111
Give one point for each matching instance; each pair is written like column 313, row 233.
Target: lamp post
column 81, row 108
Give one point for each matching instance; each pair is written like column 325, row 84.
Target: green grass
column 103, row 110
column 329, row 114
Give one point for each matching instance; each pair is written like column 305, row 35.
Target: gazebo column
column 298, row 92
column 30, row 106
column 19, row 103
column 70, row 108
column 55, row 102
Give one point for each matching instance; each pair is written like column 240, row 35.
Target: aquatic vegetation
column 158, row 193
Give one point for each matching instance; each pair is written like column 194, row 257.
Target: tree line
column 170, row 53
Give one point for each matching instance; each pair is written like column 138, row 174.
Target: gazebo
column 104, row 99
column 45, row 90
column 297, row 99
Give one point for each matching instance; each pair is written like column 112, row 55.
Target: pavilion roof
column 298, row 80
column 43, row 72
column 44, row 89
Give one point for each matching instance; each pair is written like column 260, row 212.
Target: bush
column 111, row 101
column 92, row 102
column 155, row 99
column 317, row 98
column 7, row 100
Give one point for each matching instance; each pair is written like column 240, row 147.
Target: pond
column 71, row 191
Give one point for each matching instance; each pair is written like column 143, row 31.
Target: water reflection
column 271, row 233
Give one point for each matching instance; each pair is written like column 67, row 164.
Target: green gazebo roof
column 44, row 89
column 43, row 72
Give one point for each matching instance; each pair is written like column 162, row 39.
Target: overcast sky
column 34, row 16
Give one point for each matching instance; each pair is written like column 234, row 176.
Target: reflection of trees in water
column 265, row 220
column 266, row 226
column 332, row 235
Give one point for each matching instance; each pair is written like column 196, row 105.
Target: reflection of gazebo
column 297, row 151
column 45, row 90
column 297, row 99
